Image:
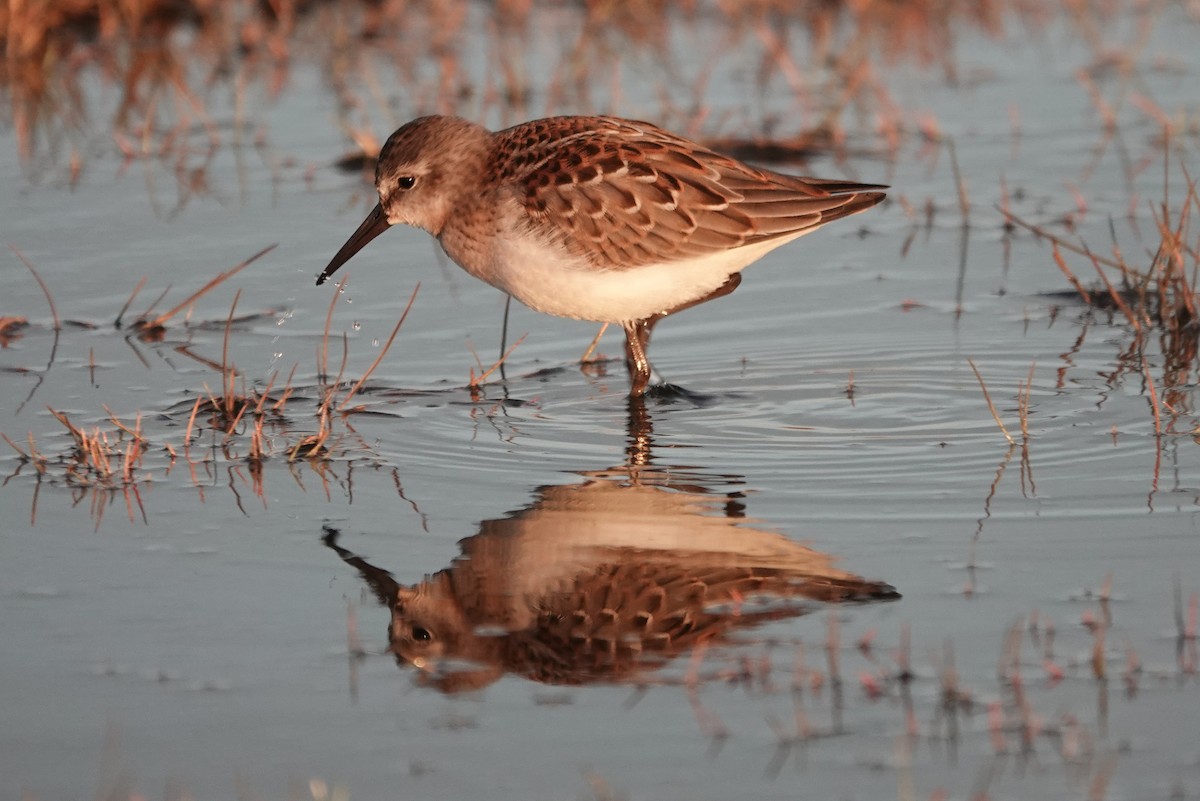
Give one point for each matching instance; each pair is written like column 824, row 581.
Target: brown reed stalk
column 129, row 301
column 323, row 350
column 991, row 406
column 262, row 396
column 1062, row 265
column 288, row 389
column 45, row 290
column 587, row 354
column 15, row 447
column 383, row 352
column 474, row 382
column 187, row 434
column 134, row 432
column 1081, row 250
column 1114, row 294
column 237, row 418
column 228, row 372
column 141, row 322
column 164, row 317
column 77, row 433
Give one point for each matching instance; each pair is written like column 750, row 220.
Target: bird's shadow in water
column 605, row 580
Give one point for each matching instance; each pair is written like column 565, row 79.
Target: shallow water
column 201, row 628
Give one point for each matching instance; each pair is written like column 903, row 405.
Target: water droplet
column 357, row 325
column 278, row 354
column 375, row 343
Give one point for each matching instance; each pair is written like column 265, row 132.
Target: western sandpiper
column 594, row 218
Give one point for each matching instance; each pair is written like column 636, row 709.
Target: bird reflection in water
column 605, row 580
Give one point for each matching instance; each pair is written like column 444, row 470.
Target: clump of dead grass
column 317, row 444
column 1155, row 297
column 101, row 464
column 246, row 423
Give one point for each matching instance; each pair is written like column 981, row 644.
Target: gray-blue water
column 189, row 632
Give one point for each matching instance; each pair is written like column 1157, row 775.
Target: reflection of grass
column 832, row 58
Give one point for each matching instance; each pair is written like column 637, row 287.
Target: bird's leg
column 637, row 336
column 637, row 339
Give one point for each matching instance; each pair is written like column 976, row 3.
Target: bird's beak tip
column 374, row 225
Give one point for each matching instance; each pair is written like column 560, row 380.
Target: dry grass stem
column 129, row 302
column 187, row 435
column 288, row 389
column 228, row 371
column 45, row 290
column 474, row 381
column 991, row 406
column 354, row 390
column 162, row 319
column 1062, row 243
column 1062, row 265
column 1117, row 299
column 323, row 350
column 587, row 354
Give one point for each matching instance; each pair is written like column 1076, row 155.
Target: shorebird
column 594, row 218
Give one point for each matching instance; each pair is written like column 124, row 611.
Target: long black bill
column 375, row 224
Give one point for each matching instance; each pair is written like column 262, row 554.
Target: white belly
column 547, row 280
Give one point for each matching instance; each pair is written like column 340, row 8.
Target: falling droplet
column 375, row 343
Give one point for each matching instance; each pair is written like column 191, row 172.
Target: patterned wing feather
column 626, row 194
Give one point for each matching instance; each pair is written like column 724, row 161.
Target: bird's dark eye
column 406, row 182
column 420, row 634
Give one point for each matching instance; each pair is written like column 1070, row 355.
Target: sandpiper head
column 425, row 166
column 422, row 171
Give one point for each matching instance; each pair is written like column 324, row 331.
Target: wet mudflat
column 227, row 570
